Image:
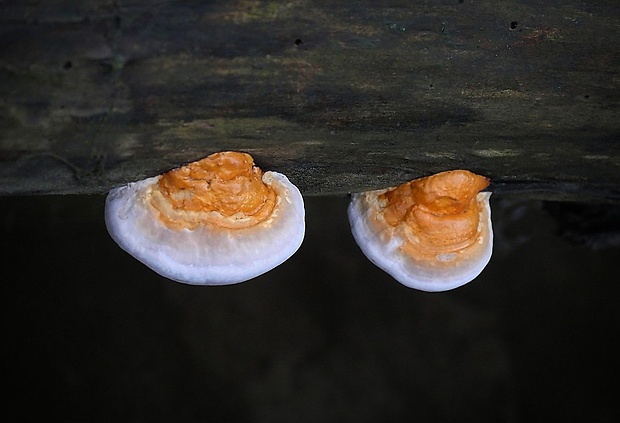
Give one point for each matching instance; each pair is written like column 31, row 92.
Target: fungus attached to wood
column 432, row 234
column 217, row 221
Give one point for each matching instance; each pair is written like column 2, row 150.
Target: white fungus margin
column 206, row 255
column 381, row 243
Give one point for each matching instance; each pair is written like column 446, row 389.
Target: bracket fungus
column 432, row 234
column 217, row 221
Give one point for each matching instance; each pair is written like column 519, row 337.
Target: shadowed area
column 93, row 335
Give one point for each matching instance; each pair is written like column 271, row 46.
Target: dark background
column 90, row 334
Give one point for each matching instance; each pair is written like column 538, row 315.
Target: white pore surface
column 379, row 242
column 206, row 256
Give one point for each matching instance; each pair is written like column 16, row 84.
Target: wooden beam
column 340, row 96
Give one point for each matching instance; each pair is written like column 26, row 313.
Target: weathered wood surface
column 340, row 96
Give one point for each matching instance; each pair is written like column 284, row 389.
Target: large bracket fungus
column 432, row 234
column 217, row 221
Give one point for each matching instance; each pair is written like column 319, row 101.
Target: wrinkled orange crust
column 439, row 214
column 224, row 189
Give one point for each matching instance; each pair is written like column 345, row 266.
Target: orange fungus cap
column 432, row 233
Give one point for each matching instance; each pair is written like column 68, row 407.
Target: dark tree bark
column 340, row 96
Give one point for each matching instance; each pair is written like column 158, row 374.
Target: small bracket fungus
column 217, row 221
column 432, row 234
